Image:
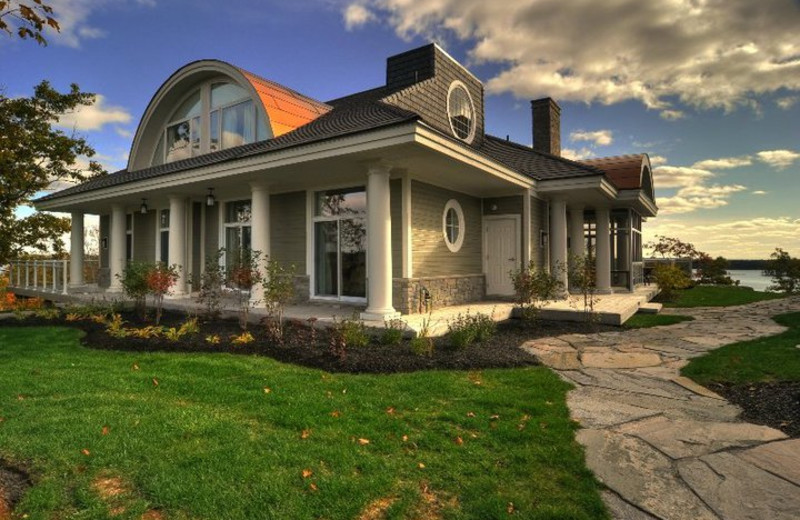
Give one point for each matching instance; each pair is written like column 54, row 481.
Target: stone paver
column 666, row 447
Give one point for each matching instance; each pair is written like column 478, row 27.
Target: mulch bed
column 775, row 404
column 311, row 348
column 14, row 482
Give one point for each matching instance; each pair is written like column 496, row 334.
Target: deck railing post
column 18, row 273
column 27, row 275
column 35, row 274
column 55, row 276
column 65, row 266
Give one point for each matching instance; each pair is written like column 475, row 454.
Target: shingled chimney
column 546, row 126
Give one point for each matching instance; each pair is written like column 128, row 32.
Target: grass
column 775, row 358
column 719, row 296
column 222, row 436
column 644, row 321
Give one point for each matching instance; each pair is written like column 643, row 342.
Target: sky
column 710, row 89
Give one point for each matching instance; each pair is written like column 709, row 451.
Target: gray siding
column 431, row 256
column 288, row 229
column 212, row 229
column 105, row 231
column 144, row 236
column 505, row 205
column 396, row 208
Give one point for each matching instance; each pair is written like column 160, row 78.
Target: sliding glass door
column 340, row 244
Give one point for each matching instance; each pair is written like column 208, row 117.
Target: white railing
column 51, row 276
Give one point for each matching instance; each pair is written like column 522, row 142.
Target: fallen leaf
column 313, row 487
column 335, row 413
column 106, row 430
column 459, row 441
column 2, row 419
column 86, row 452
column 20, row 397
column 510, row 508
column 405, row 438
column 267, row 389
column 470, row 414
column 155, row 382
column 344, row 391
column 135, row 367
column 307, row 473
column 521, row 426
column 494, row 417
column 363, row 442
column 390, row 410
column 421, row 465
column 305, row 434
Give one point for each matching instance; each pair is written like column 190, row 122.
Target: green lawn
column 644, row 321
column 221, row 436
column 720, row 296
column 775, row 358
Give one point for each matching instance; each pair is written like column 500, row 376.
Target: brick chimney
column 546, row 126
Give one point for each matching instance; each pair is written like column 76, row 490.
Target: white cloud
column 123, row 132
column 724, row 163
column 679, row 176
column 577, row 155
column 759, row 192
column 750, row 238
column 778, row 158
column 706, row 54
column 672, row 115
column 74, row 19
column 598, row 137
column 695, row 197
column 95, row 116
column 657, row 160
column 787, row 102
column 356, row 15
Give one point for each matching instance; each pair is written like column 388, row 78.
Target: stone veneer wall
column 444, row 291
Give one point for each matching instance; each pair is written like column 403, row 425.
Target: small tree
column 785, row 272
column 670, row 279
column 534, row 286
column 713, row 270
column 278, row 287
column 134, row 280
column 160, row 281
column 211, row 281
column 669, row 247
column 243, row 276
column 583, row 276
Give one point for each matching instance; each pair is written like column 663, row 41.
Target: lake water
column 751, row 278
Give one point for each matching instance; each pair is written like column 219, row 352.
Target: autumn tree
column 670, row 247
column 27, row 19
column 34, row 155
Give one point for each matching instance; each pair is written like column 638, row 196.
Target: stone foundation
column 408, row 294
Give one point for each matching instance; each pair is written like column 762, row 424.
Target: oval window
column 453, row 225
column 461, row 112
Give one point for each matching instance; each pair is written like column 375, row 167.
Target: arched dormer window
column 216, row 116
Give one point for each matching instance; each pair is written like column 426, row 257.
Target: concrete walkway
column 665, row 447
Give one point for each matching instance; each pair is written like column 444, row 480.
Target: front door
column 501, row 246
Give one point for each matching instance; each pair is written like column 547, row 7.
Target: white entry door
column 501, row 248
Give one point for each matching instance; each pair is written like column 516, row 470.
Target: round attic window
column 461, row 112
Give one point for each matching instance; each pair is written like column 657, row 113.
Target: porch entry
column 340, row 244
column 501, row 246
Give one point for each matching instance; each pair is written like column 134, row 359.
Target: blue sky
column 711, row 90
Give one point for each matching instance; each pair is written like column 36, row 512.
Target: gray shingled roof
column 538, row 165
column 344, row 119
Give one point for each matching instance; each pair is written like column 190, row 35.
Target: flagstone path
column 666, row 447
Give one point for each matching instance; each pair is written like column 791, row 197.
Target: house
column 383, row 197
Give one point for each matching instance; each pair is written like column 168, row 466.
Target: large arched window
column 215, row 116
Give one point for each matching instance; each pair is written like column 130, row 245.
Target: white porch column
column 177, row 241
column 577, row 246
column 116, row 249
column 603, row 256
column 624, row 250
column 558, row 240
column 259, row 229
column 76, row 251
column 379, row 246
column 526, row 228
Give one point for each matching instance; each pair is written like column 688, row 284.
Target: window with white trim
column 129, row 237
column 461, row 111
column 163, row 232
column 237, row 233
column 453, row 225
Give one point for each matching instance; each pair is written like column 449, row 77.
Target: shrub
column 468, row 329
column 670, row 279
column 213, row 339
column 785, row 272
column 47, row 313
column 278, row 292
column 353, row 331
column 151, row 331
column 713, row 271
column 211, row 281
column 160, row 281
column 134, row 280
column 242, row 339
column 533, row 287
column 190, row 326
column 485, row 327
column 392, row 332
column 243, row 277
column 115, row 327
column 422, row 344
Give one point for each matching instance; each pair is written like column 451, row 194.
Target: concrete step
column 650, row 308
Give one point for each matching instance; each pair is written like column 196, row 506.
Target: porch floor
column 612, row 309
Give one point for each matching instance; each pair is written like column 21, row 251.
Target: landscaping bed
column 311, row 346
column 773, row 404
